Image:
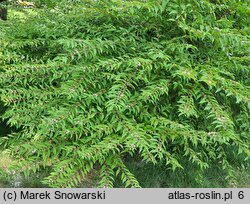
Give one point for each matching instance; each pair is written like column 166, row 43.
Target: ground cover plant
column 87, row 85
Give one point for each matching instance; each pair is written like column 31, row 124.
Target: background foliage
column 86, row 84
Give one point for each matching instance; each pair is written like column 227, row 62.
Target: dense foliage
column 86, row 83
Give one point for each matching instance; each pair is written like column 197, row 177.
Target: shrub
column 88, row 83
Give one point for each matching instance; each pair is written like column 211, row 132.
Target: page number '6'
column 241, row 195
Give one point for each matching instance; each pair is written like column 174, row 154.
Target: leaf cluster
column 87, row 83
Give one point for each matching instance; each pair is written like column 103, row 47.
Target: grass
column 160, row 177
column 149, row 176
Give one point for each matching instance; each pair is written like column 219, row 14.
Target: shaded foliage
column 3, row 10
